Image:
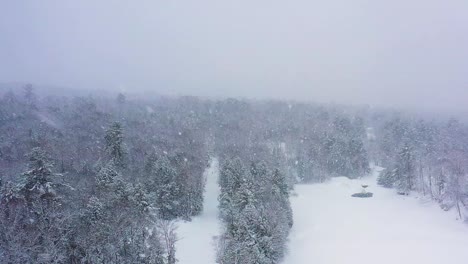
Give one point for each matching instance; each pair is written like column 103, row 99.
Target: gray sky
column 411, row 53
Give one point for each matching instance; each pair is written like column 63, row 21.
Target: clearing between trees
column 330, row 226
column 196, row 243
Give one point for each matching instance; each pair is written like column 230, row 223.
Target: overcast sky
column 411, row 53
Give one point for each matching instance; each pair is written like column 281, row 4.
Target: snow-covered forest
column 126, row 178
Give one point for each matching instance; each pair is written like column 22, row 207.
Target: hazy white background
column 395, row 53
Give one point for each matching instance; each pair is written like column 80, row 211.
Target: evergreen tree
column 30, row 96
column 141, row 199
column 257, row 214
column 33, row 211
column 259, row 177
column 94, row 211
column 359, row 162
column 114, row 144
column 387, row 178
column 37, row 181
column 110, row 182
column 116, row 226
column 280, row 193
column 405, row 172
column 164, row 189
column 230, row 178
column 121, row 98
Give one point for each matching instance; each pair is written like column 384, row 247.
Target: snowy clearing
column 196, row 243
column 332, row 227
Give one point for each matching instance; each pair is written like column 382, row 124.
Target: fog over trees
column 104, row 178
column 233, row 132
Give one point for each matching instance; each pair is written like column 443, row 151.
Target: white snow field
column 196, row 243
column 332, row 227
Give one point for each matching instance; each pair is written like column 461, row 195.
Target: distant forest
column 102, row 178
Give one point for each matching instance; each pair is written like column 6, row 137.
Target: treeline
column 429, row 157
column 256, row 213
column 313, row 141
column 266, row 147
column 103, row 182
column 100, row 179
column 40, row 223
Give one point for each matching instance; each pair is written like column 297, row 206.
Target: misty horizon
column 233, row 132
column 402, row 55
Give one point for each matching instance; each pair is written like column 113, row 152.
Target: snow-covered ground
column 332, row 227
column 196, row 244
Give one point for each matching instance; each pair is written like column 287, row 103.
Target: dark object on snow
column 363, row 195
column 364, row 186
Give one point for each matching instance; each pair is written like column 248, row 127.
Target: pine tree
column 280, row 193
column 114, row 144
column 260, row 177
column 387, row 178
column 164, row 189
column 280, row 183
column 30, row 96
column 255, row 208
column 34, row 210
column 230, row 178
column 240, row 238
column 94, row 211
column 121, row 98
column 359, row 161
column 405, row 172
column 245, row 195
column 115, row 225
column 38, row 181
column 140, row 199
column 110, row 181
